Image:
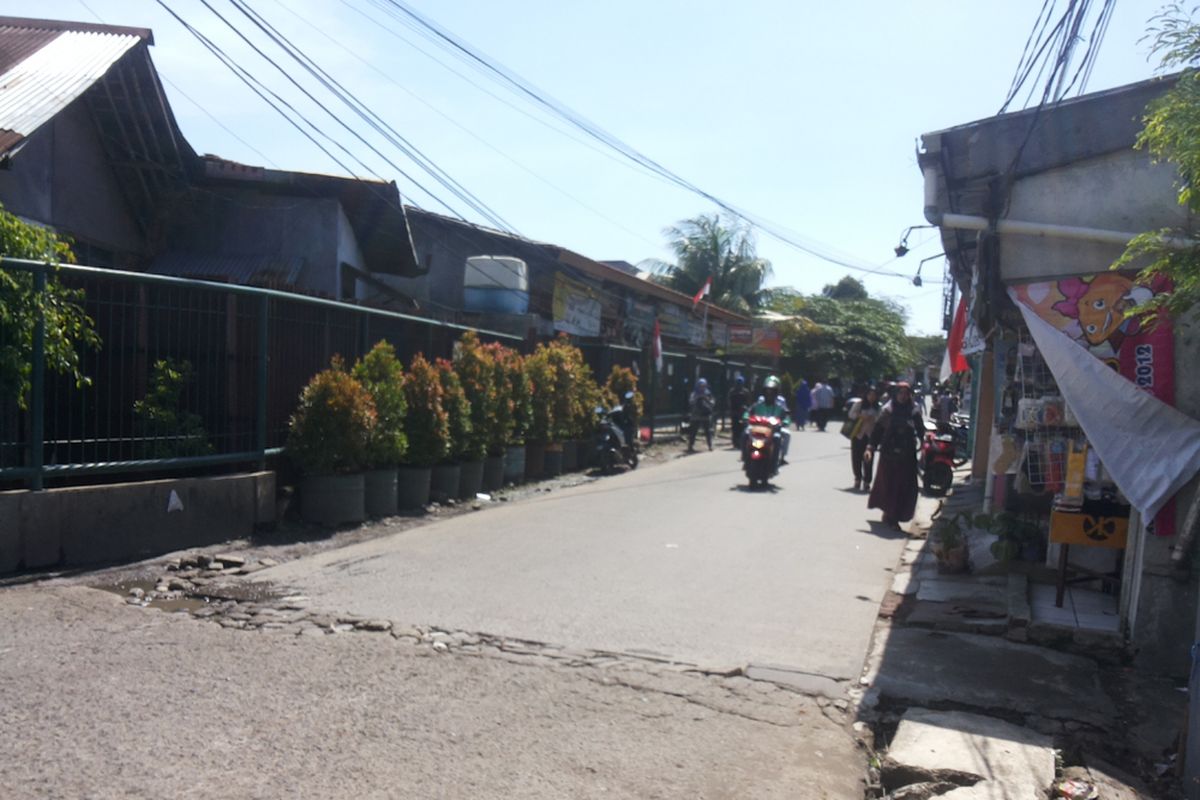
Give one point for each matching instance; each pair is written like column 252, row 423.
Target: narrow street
column 678, row 637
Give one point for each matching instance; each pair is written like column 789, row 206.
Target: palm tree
column 709, row 246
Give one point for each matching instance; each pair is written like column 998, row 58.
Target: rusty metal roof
column 47, row 65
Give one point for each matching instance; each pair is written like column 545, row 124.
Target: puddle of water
column 173, row 601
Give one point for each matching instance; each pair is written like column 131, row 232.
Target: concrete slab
column 802, row 682
column 966, row 748
column 905, row 583
column 991, row 790
column 983, row 591
column 916, row 666
column 959, row 619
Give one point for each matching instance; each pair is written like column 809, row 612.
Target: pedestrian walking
column 700, row 413
column 803, row 403
column 822, row 404
column 864, row 412
column 894, row 441
column 739, row 401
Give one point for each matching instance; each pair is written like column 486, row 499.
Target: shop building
column 1034, row 207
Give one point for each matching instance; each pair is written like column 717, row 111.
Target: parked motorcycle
column 761, row 448
column 937, row 462
column 616, row 437
column 960, row 429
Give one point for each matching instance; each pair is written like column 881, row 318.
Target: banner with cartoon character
column 1093, row 311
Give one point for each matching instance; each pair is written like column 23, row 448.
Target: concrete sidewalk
column 960, row 702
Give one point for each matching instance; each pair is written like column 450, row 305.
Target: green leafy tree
column 710, row 246
column 165, row 427
column 854, row 340
column 848, row 288
column 68, row 328
column 379, row 371
column 622, row 380
column 1169, row 134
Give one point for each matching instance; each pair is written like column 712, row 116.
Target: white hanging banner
column 1150, row 449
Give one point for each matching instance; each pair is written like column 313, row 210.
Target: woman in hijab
column 897, row 433
column 864, row 412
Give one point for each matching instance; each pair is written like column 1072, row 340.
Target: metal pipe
column 1052, row 231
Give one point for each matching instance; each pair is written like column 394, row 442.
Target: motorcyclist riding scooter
column 772, row 405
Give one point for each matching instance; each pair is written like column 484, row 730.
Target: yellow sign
column 1071, row 527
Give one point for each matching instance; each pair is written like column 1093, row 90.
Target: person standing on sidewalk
column 897, row 433
column 739, row 401
column 822, row 404
column 803, row 403
column 864, row 412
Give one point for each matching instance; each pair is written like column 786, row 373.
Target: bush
column 458, row 410
column 380, row 373
column 426, row 424
column 540, row 373
column 561, row 392
column 166, row 429
column 477, row 371
column 514, row 412
column 620, row 381
column 68, row 327
column 333, row 424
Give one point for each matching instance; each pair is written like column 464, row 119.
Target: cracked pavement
column 498, row 654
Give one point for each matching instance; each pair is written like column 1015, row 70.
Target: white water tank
column 496, row 283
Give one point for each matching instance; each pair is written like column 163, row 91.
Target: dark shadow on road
column 770, row 488
column 883, row 531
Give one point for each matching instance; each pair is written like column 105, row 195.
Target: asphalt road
column 680, row 561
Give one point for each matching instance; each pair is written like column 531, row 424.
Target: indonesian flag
column 704, row 292
column 954, row 361
column 656, row 346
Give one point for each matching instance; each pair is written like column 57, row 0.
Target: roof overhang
column 374, row 208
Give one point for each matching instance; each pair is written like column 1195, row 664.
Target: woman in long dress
column 894, row 444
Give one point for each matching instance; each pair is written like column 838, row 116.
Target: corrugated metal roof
column 247, row 270
column 51, row 77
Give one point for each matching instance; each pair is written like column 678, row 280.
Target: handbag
column 849, row 427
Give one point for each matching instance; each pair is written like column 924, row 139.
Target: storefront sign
column 576, row 311
column 756, row 339
column 1091, row 310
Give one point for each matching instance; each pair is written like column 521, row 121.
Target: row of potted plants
column 376, row 438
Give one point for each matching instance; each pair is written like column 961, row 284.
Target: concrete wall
column 62, row 178
column 85, row 525
column 1121, row 192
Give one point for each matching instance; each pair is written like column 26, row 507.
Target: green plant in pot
column 949, row 539
column 476, row 372
column 381, row 374
column 621, row 381
column 1013, row 533
column 328, row 436
column 427, row 427
column 513, row 411
column 447, row 474
column 542, row 425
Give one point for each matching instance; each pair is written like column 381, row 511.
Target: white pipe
column 1046, row 229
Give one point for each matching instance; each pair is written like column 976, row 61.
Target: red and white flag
column 954, row 361
column 656, row 347
column 704, row 292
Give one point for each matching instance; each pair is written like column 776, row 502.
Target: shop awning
column 1150, row 449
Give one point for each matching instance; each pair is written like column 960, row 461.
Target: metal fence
column 239, row 357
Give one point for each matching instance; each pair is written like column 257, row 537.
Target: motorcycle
column 761, row 448
column 937, row 462
column 960, row 429
column 616, row 437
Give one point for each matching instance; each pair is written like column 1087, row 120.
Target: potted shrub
column 427, row 428
column 1016, row 538
column 477, row 373
column 507, row 436
column 447, row 474
column 327, row 440
column 949, row 538
column 380, row 373
column 540, row 374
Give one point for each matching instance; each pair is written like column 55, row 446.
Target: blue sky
column 803, row 113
